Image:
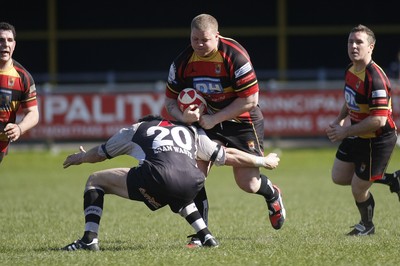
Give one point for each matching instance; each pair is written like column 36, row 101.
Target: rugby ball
column 189, row 97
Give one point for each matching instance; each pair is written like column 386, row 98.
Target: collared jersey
column 17, row 88
column 221, row 78
column 368, row 93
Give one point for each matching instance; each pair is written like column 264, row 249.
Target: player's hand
column 271, row 161
column 192, row 114
column 207, row 121
column 75, row 159
column 336, row 132
column 12, row 131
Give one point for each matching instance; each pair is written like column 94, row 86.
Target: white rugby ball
column 189, row 97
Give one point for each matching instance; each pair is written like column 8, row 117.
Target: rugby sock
column 93, row 201
column 266, row 189
column 193, row 217
column 366, row 210
column 201, row 202
column 386, row 179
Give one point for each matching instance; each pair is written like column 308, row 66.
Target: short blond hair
column 204, row 22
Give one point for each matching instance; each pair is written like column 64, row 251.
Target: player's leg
column 365, row 204
column 251, row 181
column 201, row 202
column 193, row 217
column 343, row 165
column 249, row 138
column 111, row 181
column 390, row 179
column 371, row 159
column 201, row 199
column 342, row 172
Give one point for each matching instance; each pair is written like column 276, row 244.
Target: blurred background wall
column 100, row 65
column 95, row 41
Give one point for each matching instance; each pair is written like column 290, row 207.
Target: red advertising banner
column 299, row 113
column 95, row 116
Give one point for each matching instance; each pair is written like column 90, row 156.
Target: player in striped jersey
column 17, row 89
column 369, row 138
column 220, row 69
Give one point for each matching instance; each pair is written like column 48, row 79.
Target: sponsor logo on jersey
column 358, row 84
column 217, row 69
column 11, row 82
column 243, row 70
column 5, row 98
column 378, row 93
column 208, row 85
column 171, row 74
column 32, row 88
column 350, row 97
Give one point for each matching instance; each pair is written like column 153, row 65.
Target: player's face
column 7, row 46
column 203, row 42
column 359, row 48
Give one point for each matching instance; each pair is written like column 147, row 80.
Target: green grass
column 41, row 211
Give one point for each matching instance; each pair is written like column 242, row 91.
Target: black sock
column 266, row 189
column 202, row 234
column 93, row 201
column 366, row 210
column 201, row 202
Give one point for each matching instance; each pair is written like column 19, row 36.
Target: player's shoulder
column 184, row 55
column 377, row 74
column 22, row 71
column 230, row 43
column 374, row 67
column 233, row 49
column 19, row 67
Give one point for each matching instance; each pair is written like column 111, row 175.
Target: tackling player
column 167, row 173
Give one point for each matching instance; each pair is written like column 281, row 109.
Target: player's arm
column 344, row 111
column 188, row 116
column 90, row 156
column 30, row 118
column 367, row 125
column 238, row 158
column 236, row 108
column 209, row 150
column 172, row 108
column 119, row 144
column 335, row 130
column 28, row 121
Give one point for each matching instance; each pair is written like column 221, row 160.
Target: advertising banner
column 96, row 116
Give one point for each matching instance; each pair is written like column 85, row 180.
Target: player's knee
column 95, row 180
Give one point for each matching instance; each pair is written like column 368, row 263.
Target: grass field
column 41, row 211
